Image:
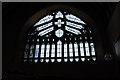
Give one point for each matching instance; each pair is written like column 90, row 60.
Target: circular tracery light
column 59, row 33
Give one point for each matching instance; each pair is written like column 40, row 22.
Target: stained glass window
column 59, row 37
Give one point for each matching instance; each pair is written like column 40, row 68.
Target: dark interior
column 106, row 16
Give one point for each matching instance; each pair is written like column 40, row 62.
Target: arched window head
column 59, row 36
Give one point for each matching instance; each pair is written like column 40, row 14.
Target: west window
column 59, row 36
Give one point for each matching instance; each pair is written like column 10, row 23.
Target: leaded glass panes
column 74, row 18
column 76, row 49
column 59, row 23
column 71, row 50
column 92, row 48
column 42, row 51
column 31, row 51
column 59, row 37
column 26, row 50
column 45, row 31
column 36, row 51
column 44, row 26
column 81, row 49
column 47, row 50
column 53, row 50
column 45, row 19
column 87, row 49
column 59, row 49
column 72, row 30
column 59, row 15
column 74, row 25
column 65, row 50
column 59, row 33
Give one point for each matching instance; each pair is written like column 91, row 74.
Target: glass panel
column 26, row 50
column 42, row 51
column 37, row 40
column 52, row 60
column 53, row 50
column 59, row 15
column 59, row 49
column 36, row 60
column 94, row 58
column 81, row 49
column 45, row 19
column 47, row 60
column 65, row 60
column 80, row 38
column 76, row 49
column 59, row 33
column 25, row 60
column 59, row 60
column 45, row 31
column 53, row 39
column 74, row 25
column 47, row 50
column 93, row 50
column 87, row 49
column 76, row 59
column 70, row 50
column 59, row 23
column 44, row 26
column 41, row 60
column 72, row 30
column 31, row 51
column 74, row 18
column 71, row 59
column 36, row 51
column 65, row 50
column 83, row 59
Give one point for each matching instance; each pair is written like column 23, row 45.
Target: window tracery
column 59, row 37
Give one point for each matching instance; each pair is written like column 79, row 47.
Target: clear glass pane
column 59, row 23
column 59, row 15
column 26, row 50
column 44, row 26
column 65, row 50
column 45, row 19
column 52, row 60
column 65, row 60
column 83, row 59
column 47, row 60
column 25, row 60
column 59, row 33
column 70, row 50
column 41, row 60
column 72, row 30
column 36, row 51
column 76, row 59
column 81, row 49
column 71, row 59
column 87, row 49
column 47, row 50
column 36, row 60
column 74, row 18
column 93, row 50
column 59, row 60
column 94, row 58
column 59, row 49
column 45, row 31
column 31, row 51
column 76, row 49
column 74, row 25
column 42, row 50
column 53, row 50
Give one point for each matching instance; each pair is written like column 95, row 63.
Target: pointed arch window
column 59, row 37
